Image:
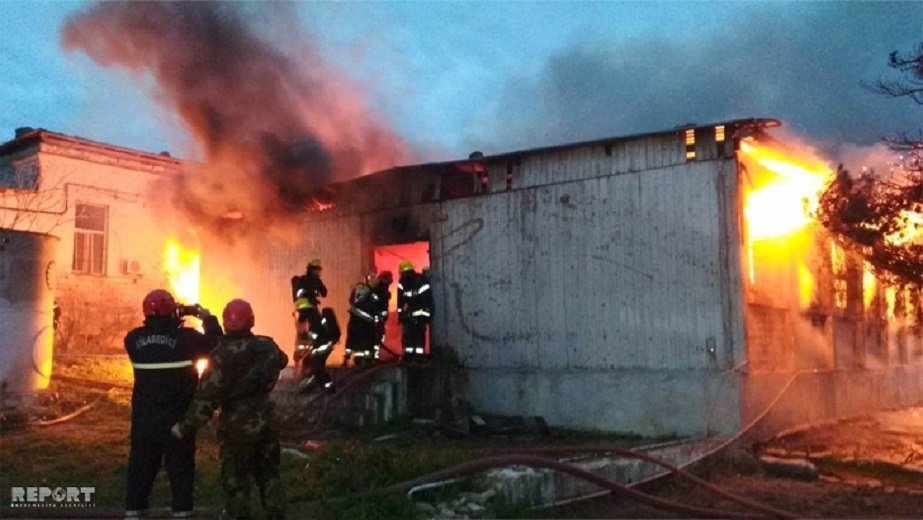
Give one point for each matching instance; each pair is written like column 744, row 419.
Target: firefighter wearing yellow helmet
column 316, row 332
column 414, row 310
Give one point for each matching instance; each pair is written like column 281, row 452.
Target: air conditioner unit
column 132, row 266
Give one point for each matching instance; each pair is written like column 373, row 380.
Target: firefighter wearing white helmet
column 414, row 310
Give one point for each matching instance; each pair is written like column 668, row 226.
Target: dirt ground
column 868, row 467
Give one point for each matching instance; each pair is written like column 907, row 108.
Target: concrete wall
column 596, row 294
column 791, row 400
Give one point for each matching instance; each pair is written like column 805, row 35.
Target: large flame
column 181, row 266
column 784, row 202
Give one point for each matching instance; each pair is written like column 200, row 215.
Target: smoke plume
column 804, row 64
column 272, row 128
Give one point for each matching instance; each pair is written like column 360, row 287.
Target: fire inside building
column 668, row 283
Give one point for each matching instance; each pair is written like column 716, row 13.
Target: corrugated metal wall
column 572, row 279
column 578, row 271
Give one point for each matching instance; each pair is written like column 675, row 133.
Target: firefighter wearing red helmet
column 242, row 372
column 162, row 354
column 414, row 310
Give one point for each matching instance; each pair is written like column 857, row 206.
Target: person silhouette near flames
column 367, row 313
column 317, row 330
column 414, row 310
column 162, row 354
column 243, row 370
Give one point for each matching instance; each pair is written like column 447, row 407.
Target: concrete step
column 377, row 400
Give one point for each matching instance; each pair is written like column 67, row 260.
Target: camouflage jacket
column 242, row 370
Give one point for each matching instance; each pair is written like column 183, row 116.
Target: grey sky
column 451, row 77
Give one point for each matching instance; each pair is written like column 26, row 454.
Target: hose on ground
column 480, row 465
column 68, row 417
column 627, row 453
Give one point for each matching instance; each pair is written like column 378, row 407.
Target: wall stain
column 471, row 228
column 460, row 310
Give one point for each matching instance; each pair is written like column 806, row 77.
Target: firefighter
column 162, row 354
column 322, row 342
column 385, row 279
column 307, row 290
column 242, row 371
column 363, row 333
column 414, row 310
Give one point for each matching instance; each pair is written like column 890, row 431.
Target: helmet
column 405, row 266
column 372, row 279
column 362, row 292
column 237, row 316
column 158, row 303
column 314, row 264
column 386, row 277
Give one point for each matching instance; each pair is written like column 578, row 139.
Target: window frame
column 89, row 236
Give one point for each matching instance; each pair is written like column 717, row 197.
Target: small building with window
column 101, row 201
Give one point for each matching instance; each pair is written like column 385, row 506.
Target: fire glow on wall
column 783, row 188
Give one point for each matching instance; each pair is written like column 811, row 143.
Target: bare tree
column 29, row 204
column 909, row 84
column 881, row 215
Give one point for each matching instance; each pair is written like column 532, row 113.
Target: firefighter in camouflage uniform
column 242, row 371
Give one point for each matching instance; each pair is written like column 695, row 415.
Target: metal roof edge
column 747, row 122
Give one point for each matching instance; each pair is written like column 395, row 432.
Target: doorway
column 387, row 258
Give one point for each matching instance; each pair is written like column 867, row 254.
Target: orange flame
column 912, row 230
column 181, row 266
column 784, row 202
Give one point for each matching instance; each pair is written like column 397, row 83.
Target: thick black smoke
column 272, row 128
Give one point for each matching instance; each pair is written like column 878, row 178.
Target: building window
column 690, row 144
column 90, row 230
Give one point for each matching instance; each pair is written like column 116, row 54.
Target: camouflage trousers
column 259, row 459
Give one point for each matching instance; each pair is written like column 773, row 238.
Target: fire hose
column 609, row 486
column 524, row 459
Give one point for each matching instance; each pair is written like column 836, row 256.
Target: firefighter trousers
column 145, row 459
column 413, row 336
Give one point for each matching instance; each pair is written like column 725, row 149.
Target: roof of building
column 27, row 137
column 738, row 123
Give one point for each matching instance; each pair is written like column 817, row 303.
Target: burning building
column 664, row 283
